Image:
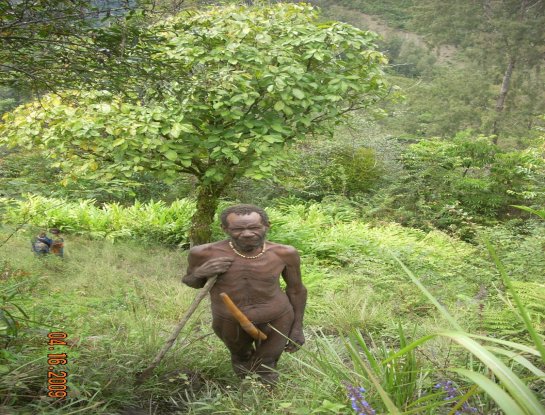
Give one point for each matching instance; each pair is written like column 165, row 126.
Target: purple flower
column 359, row 404
column 452, row 393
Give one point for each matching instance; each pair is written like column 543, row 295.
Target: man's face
column 246, row 231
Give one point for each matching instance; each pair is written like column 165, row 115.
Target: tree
column 244, row 82
column 455, row 99
column 38, row 38
column 49, row 45
column 500, row 35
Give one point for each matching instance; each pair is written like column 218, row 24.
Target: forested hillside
column 398, row 145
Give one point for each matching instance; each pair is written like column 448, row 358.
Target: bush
column 152, row 221
column 459, row 184
column 331, row 169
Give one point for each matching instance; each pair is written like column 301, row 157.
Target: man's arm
column 297, row 294
column 200, row 267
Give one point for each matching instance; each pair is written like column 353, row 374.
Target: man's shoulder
column 207, row 249
column 283, row 250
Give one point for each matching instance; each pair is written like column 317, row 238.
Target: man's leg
column 239, row 343
column 268, row 351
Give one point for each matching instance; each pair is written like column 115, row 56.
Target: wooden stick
column 244, row 322
column 142, row 376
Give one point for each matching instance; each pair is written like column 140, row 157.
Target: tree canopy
column 51, row 45
column 243, row 83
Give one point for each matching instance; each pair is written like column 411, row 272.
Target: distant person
column 57, row 246
column 41, row 244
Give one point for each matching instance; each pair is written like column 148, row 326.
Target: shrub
column 458, row 184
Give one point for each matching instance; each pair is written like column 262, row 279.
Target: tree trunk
column 500, row 102
column 201, row 222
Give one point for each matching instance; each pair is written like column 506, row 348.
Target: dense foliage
column 245, row 82
column 115, row 312
column 419, row 228
column 478, row 63
column 459, row 183
column 48, row 44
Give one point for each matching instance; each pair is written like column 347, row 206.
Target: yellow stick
column 246, row 324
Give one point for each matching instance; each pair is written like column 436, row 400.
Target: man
column 249, row 270
column 40, row 244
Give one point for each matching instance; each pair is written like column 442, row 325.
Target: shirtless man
column 249, row 270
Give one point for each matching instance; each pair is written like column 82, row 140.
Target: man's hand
column 297, row 339
column 213, row 267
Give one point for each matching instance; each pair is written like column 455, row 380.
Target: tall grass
column 396, row 327
column 507, row 387
column 499, row 374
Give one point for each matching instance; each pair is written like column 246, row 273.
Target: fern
column 501, row 322
column 532, row 295
column 506, row 320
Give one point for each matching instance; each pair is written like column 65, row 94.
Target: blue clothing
column 41, row 245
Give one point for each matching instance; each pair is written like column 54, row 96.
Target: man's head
column 247, row 225
column 55, row 231
column 243, row 210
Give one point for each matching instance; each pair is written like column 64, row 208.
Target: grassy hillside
column 119, row 301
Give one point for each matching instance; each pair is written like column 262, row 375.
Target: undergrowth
column 118, row 301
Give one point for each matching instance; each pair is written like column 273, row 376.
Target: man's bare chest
column 265, row 268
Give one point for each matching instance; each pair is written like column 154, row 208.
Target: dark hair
column 244, row 210
column 55, row 230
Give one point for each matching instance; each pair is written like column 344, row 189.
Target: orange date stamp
column 56, row 380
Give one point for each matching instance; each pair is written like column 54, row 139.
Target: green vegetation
column 413, row 189
column 233, row 104
column 119, row 301
column 464, row 182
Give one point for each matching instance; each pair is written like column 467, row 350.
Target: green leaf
column 187, row 128
column 272, row 139
column 279, row 106
column 118, row 142
column 105, row 108
column 297, row 93
column 171, row 155
column 540, row 213
column 516, row 357
column 504, row 401
column 125, row 109
column 518, row 390
column 176, row 130
column 278, row 128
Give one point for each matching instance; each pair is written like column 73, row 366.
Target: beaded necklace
column 244, row 256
